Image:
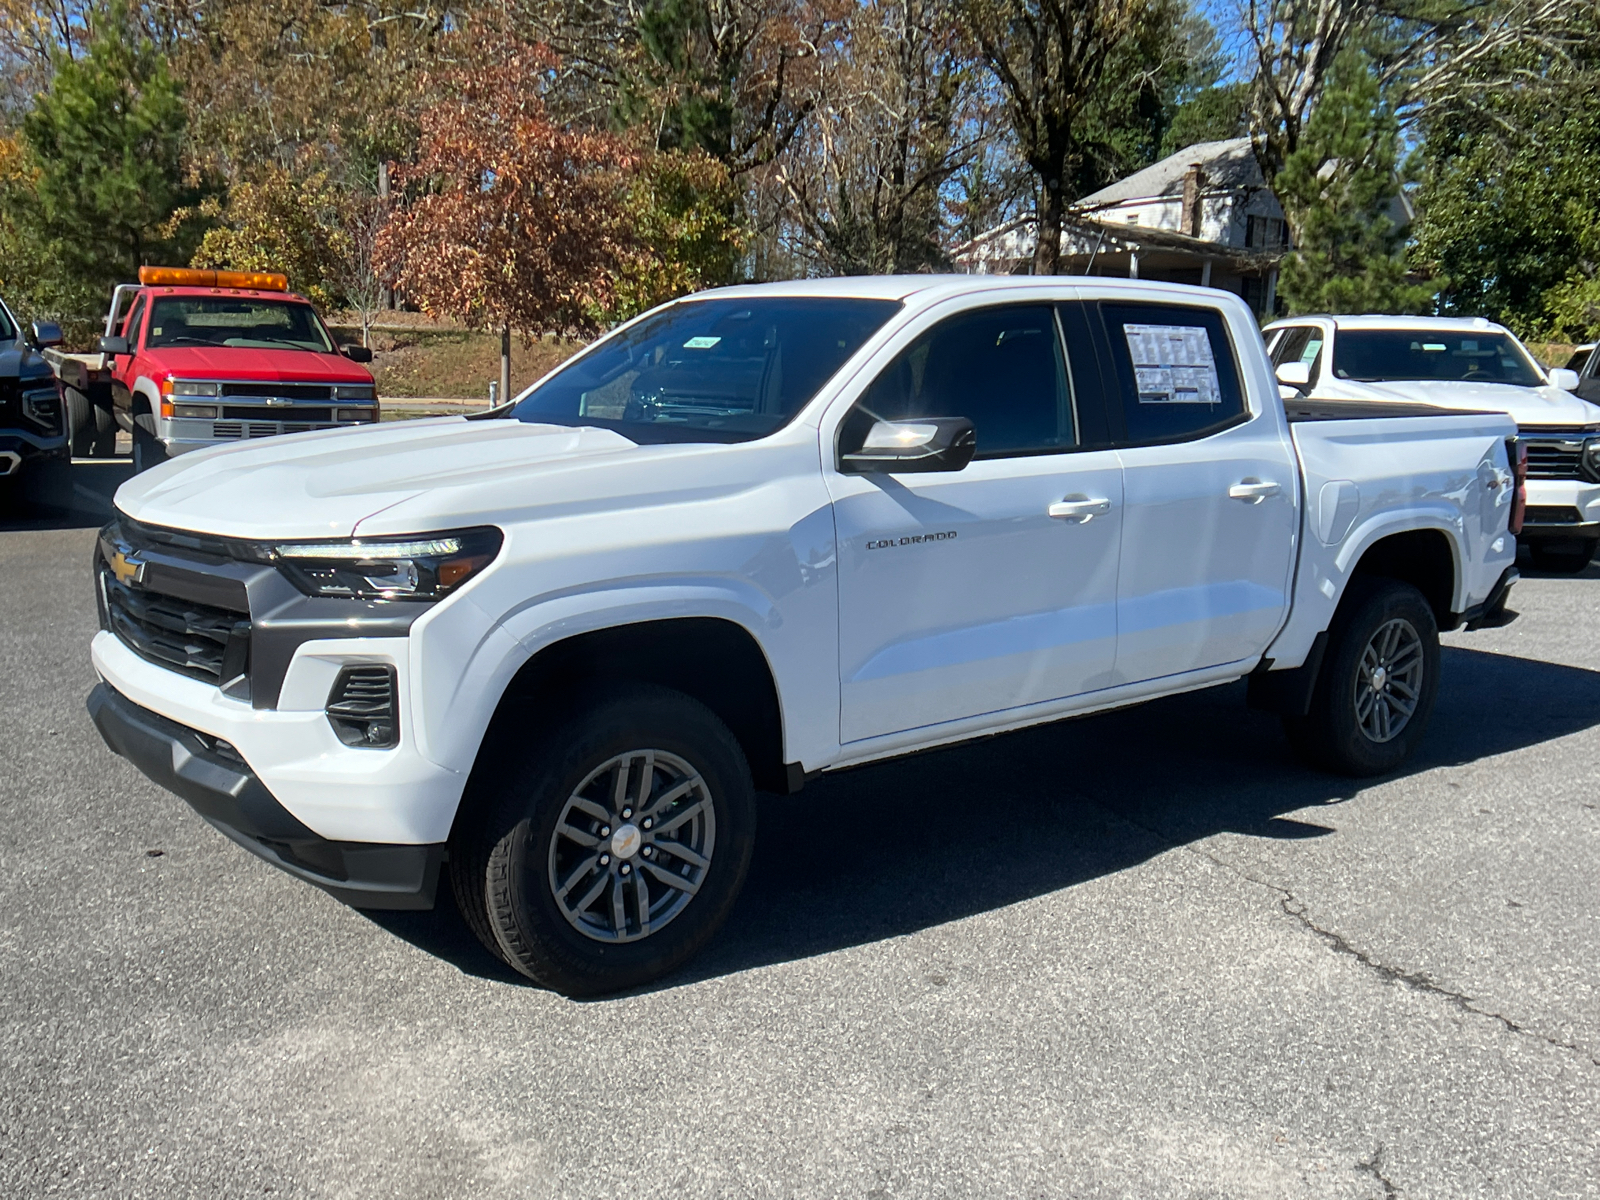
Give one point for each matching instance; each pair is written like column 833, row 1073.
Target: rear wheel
column 1376, row 690
column 614, row 851
column 80, row 422
column 1564, row 558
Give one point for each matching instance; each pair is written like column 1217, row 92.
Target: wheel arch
column 715, row 660
column 1424, row 558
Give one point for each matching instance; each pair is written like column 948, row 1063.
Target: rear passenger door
column 1209, row 488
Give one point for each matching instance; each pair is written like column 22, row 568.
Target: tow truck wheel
column 147, row 449
column 616, row 848
column 1378, row 682
column 80, row 422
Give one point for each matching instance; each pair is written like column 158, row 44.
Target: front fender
column 468, row 658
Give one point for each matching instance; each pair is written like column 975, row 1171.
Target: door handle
column 1253, row 490
column 1078, row 508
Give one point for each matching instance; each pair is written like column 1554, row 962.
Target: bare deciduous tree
column 899, row 112
column 1049, row 57
column 1427, row 53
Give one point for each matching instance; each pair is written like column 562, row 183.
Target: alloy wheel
column 1388, row 683
column 632, row 846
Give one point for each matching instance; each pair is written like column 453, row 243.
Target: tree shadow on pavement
column 889, row 849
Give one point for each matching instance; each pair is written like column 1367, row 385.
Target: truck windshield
column 236, row 321
column 8, row 331
column 716, row 370
column 1375, row 355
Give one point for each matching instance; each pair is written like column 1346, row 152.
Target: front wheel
column 616, row 853
column 1378, row 682
column 147, row 449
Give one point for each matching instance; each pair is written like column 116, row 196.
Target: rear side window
column 1174, row 371
column 1002, row 368
column 1302, row 344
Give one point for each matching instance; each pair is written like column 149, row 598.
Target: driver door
column 959, row 593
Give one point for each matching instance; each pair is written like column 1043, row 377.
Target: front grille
column 229, row 431
column 232, row 412
column 1551, row 514
column 197, row 640
column 287, row 391
column 1555, row 453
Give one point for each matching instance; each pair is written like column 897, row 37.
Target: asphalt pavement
column 1145, row 954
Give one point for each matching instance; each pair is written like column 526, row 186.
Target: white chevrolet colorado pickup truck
column 1472, row 364
column 757, row 534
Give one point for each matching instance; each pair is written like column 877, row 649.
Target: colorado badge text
column 910, row 540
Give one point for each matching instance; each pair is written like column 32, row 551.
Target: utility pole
column 505, row 363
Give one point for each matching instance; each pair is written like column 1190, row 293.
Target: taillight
column 1517, row 453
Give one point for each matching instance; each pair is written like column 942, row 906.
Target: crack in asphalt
column 1374, row 1166
column 1293, row 907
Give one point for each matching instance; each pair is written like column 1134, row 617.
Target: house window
column 1265, row 233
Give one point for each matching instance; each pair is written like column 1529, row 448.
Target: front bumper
column 217, row 783
column 18, row 448
column 1561, row 510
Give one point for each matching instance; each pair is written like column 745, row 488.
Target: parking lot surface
column 1145, row 954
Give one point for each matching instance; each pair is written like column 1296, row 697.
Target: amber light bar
column 261, row 281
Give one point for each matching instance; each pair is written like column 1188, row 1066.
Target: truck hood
column 1528, row 406
column 247, row 363
column 323, row 484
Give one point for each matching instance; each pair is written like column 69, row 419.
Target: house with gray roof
column 1203, row 216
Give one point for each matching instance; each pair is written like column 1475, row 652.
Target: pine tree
column 1339, row 190
column 106, row 147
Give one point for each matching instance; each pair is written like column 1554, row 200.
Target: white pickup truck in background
column 758, row 534
column 1468, row 364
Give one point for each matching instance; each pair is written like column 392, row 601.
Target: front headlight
column 343, row 391
column 188, row 387
column 424, row 566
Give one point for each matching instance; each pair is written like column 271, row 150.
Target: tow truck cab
column 198, row 358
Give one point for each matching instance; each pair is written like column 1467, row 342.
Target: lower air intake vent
column 362, row 707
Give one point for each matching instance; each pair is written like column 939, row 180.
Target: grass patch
column 414, row 359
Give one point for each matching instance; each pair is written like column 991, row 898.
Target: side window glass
column 1175, row 371
column 1290, row 344
column 1303, row 344
column 1001, row 368
column 130, row 328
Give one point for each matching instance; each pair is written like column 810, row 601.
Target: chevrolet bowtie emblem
column 127, row 569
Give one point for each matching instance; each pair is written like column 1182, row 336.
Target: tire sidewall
column 1351, row 750
column 524, row 914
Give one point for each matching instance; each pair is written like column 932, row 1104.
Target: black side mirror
column 360, row 354
column 925, row 444
column 114, row 345
column 46, row 334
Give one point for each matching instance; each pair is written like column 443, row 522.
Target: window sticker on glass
column 701, row 343
column 1173, row 364
column 1434, row 346
column 1313, row 348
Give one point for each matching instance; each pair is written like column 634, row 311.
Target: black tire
column 504, row 869
column 1561, row 558
column 80, row 422
column 147, row 450
column 105, row 433
column 1333, row 735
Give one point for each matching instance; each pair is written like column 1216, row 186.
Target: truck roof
column 167, row 289
column 1384, row 321
column 903, row 287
